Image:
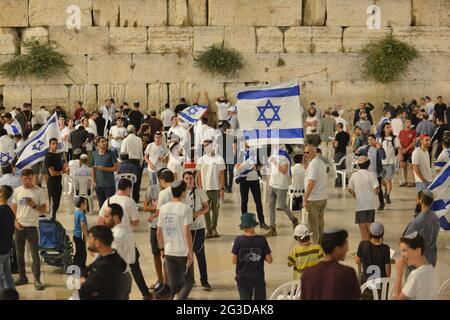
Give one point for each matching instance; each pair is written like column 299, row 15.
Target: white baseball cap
column 302, row 231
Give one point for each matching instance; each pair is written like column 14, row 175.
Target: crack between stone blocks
column 342, row 39
column 207, row 12
column 167, row 12
column 326, row 15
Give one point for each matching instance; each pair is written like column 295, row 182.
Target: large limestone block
column 107, row 91
column 188, row 70
column 106, row 13
column 207, row 36
column 343, row 66
column 104, row 69
column 303, row 66
column 86, row 93
column 431, row 12
column 3, row 59
column 87, row 40
column 231, row 89
column 197, row 12
column 429, row 67
column 190, row 91
column 8, row 38
column 393, row 13
column 178, row 13
column 314, row 12
column 326, row 39
column 170, row 39
column 13, row 13
column 355, row 38
column 317, row 91
column 15, row 96
column 243, row 39
column 128, row 40
column 157, row 96
column 255, row 13
column 269, row 39
column 54, row 12
column 137, row 92
column 50, row 95
column 141, row 13
column 151, row 68
column 298, row 40
column 425, row 39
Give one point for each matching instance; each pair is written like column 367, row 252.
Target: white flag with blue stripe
column 7, row 147
column 193, row 113
column 440, row 187
column 271, row 114
column 35, row 148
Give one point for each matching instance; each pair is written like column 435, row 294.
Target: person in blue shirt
column 80, row 234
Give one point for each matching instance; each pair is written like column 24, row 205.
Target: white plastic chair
column 129, row 176
column 384, row 284
column 295, row 189
column 292, row 193
column 343, row 172
column 68, row 185
column 84, row 187
column 263, row 186
column 288, row 291
column 442, row 291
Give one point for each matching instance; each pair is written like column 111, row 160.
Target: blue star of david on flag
column 4, row 158
column 192, row 114
column 192, row 110
column 262, row 113
column 37, row 146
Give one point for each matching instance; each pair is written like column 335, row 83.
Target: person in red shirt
column 79, row 110
column 407, row 138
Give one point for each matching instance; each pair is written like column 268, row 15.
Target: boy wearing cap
column 304, row 255
column 372, row 253
column 363, row 186
column 249, row 253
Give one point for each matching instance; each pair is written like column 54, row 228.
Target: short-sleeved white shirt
column 386, row 143
column 130, row 212
column 26, row 215
column 153, row 152
column 210, row 168
column 117, row 132
column 173, row 217
column 422, row 159
column 422, row 284
column 277, row 179
column 363, row 183
column 124, row 243
column 165, row 196
column 317, row 171
column 200, row 198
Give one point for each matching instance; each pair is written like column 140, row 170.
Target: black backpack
column 393, row 144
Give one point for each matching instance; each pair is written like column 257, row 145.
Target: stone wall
column 144, row 49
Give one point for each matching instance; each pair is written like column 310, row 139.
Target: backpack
column 393, row 144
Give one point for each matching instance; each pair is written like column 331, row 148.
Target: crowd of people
column 190, row 169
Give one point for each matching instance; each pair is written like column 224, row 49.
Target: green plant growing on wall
column 387, row 59
column 219, row 60
column 41, row 60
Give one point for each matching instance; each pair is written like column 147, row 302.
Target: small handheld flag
column 193, row 113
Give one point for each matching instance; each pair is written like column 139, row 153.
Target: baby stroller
column 55, row 246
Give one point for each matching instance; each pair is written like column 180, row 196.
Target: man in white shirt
column 12, row 126
column 130, row 218
column 108, row 111
column 316, row 194
column 397, row 124
column 132, row 145
column 7, row 148
column 423, row 281
column 175, row 241
column 279, row 185
column 211, row 177
column 339, row 119
column 117, row 133
column 197, row 199
column 92, row 123
column 28, row 202
column 363, row 186
column 156, row 156
column 421, row 164
column 166, row 117
column 123, row 240
column 222, row 105
column 41, row 116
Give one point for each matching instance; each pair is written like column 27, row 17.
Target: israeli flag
column 192, row 114
column 35, row 148
column 271, row 114
column 7, row 146
column 440, row 187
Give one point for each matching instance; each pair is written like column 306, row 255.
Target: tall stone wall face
column 145, row 49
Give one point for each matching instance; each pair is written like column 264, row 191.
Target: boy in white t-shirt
column 175, row 241
column 423, row 281
column 116, row 134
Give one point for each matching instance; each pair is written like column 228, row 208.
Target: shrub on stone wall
column 41, row 60
column 387, row 59
column 219, row 60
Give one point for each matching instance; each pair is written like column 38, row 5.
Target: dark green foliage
column 219, row 60
column 387, row 59
column 41, row 61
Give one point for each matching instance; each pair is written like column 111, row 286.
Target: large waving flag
column 271, row 114
column 440, row 187
column 192, row 114
column 35, row 148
